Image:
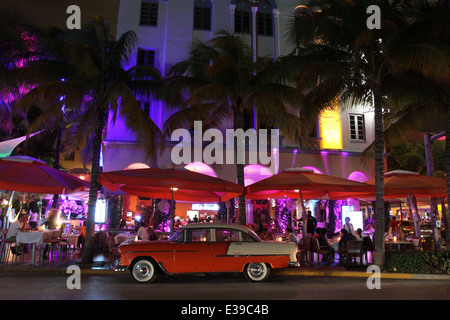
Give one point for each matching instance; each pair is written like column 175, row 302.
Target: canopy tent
column 6, row 147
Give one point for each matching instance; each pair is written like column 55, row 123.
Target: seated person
column 14, row 228
column 142, row 232
column 345, row 237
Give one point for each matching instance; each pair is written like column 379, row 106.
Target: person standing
column 348, row 226
column 33, row 220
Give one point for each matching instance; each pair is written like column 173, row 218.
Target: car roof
column 216, row 225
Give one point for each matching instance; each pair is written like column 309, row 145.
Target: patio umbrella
column 26, row 174
column 172, row 184
column 162, row 183
column 308, row 184
column 400, row 183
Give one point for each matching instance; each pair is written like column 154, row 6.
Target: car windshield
column 177, row 236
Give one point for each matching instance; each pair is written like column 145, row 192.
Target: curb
column 32, row 270
column 361, row 274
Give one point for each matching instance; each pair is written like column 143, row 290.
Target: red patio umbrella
column 26, row 174
column 401, row 183
column 310, row 184
column 172, row 184
column 160, row 183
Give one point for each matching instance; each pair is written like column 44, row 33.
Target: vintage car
column 206, row 248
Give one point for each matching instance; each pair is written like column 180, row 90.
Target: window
column 198, row 235
column 202, row 14
column 228, row 235
column 149, row 13
column 242, row 18
column 145, row 57
column 357, row 130
column 264, row 20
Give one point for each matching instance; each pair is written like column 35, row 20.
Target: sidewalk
column 59, row 264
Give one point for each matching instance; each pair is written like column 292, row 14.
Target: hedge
column 423, row 262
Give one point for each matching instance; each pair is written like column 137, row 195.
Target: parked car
column 207, row 248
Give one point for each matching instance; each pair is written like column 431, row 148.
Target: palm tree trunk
column 239, row 124
column 88, row 250
column 447, row 170
column 379, row 255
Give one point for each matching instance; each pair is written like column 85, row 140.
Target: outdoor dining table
column 31, row 237
column 398, row 243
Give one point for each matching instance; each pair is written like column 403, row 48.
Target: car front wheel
column 144, row 271
column 257, row 272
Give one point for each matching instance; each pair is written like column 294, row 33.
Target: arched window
column 242, row 17
column 202, row 14
column 265, row 22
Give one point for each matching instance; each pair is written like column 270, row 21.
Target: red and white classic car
column 207, row 248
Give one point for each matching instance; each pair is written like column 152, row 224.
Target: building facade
column 167, row 30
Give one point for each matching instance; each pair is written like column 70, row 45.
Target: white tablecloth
column 30, row 237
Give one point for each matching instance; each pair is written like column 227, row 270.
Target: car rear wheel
column 144, row 271
column 257, row 272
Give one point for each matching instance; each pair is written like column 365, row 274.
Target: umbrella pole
column 172, row 213
column 8, row 211
column 303, row 215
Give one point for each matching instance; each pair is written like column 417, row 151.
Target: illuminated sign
column 205, row 206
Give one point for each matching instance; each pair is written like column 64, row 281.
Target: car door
column 195, row 253
column 224, row 260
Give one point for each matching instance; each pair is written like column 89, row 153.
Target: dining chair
column 354, row 250
column 315, row 248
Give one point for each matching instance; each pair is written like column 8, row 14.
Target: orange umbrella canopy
column 159, row 183
column 401, row 183
column 26, row 174
column 311, row 184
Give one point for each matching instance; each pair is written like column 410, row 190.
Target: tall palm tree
column 347, row 60
column 84, row 77
column 424, row 94
column 220, row 81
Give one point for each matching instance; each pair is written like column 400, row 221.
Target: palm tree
column 339, row 55
column 84, row 77
column 220, row 81
column 422, row 54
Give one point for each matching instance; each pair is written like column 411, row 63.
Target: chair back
column 305, row 244
column 56, row 235
column 315, row 244
column 354, row 246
